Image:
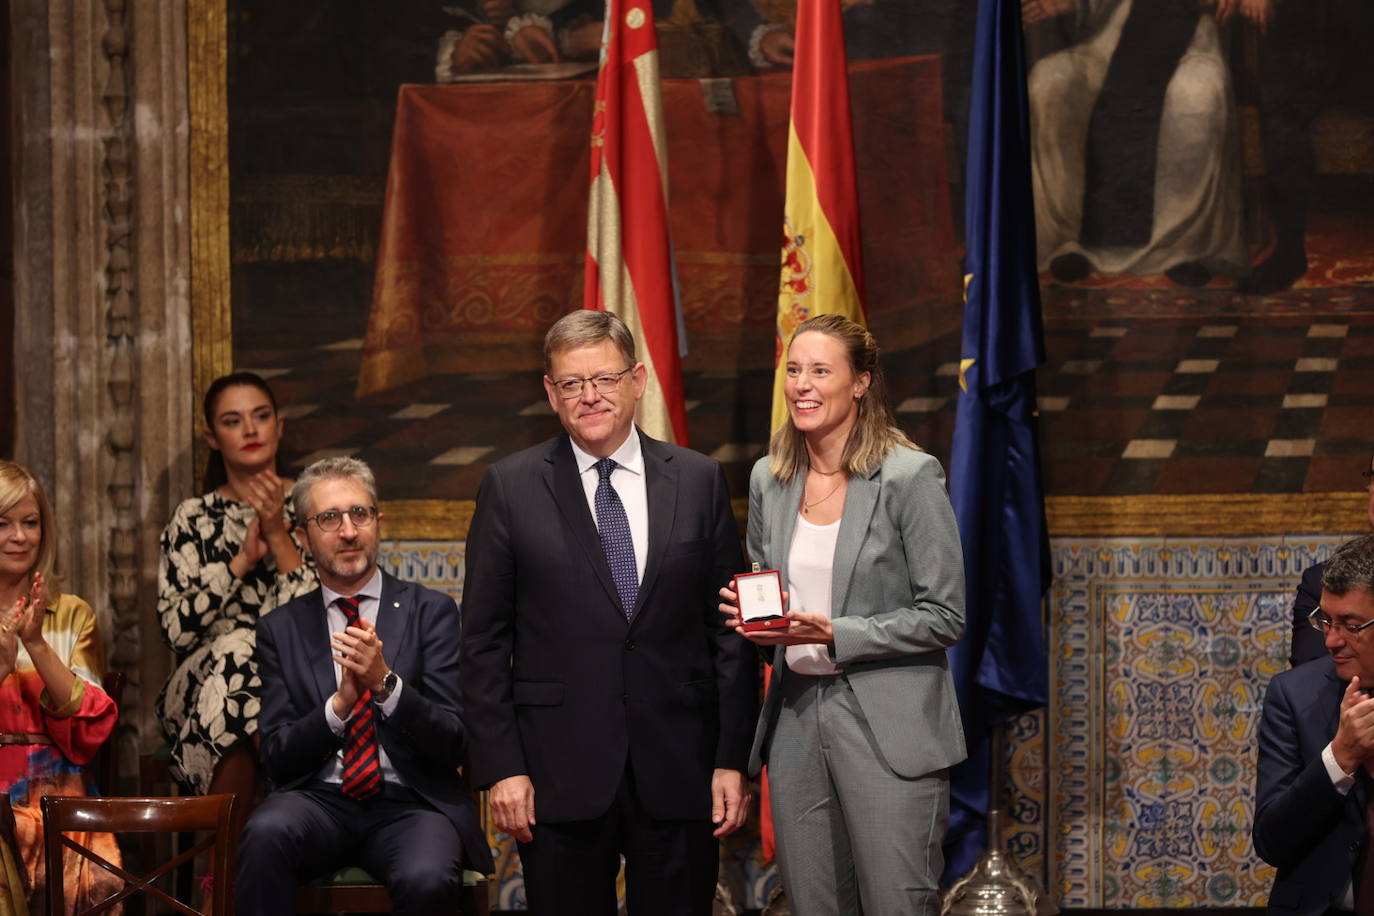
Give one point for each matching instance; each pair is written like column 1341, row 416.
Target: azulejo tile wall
column 1135, row 789
column 1160, row 652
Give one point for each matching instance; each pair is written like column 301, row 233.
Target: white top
column 810, row 565
column 369, row 599
column 628, row 481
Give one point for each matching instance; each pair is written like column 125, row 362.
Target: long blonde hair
column 16, row 483
column 875, row 432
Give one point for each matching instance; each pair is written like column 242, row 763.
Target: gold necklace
column 808, row 506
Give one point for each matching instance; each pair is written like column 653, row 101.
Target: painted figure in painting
column 1314, row 58
column 693, row 41
column 1136, row 162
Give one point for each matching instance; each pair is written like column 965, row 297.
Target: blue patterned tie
column 614, row 526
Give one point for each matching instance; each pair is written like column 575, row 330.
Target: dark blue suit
column 1303, row 827
column 306, row 828
column 602, row 714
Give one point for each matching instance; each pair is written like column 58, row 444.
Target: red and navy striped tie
column 362, row 765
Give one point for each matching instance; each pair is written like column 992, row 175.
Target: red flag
column 822, row 267
column 629, row 254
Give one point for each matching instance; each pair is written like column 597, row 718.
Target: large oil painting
column 407, row 207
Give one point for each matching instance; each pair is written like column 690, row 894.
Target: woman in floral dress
column 228, row 557
column 53, row 715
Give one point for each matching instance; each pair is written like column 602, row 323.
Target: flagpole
column 996, row 886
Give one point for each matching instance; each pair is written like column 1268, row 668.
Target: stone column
column 105, row 413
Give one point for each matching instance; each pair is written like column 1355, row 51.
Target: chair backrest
column 209, row 814
column 105, row 766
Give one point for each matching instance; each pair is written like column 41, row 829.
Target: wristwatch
column 389, row 682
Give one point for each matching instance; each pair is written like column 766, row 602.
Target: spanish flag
column 629, row 253
column 822, row 270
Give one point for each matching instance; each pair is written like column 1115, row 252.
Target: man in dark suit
column 610, row 708
column 361, row 726
column 1316, row 754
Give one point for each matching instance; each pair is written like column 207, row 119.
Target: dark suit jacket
column 1303, row 827
column 424, row 735
column 1307, row 642
column 558, row 685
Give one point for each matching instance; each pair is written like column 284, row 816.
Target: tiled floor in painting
column 1186, row 403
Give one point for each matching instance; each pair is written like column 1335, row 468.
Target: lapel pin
column 395, row 604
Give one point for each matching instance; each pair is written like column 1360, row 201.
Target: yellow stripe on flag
column 816, row 278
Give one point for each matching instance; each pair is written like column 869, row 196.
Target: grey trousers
column 853, row 837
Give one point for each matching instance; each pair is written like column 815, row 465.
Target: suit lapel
column 391, row 616
column 783, row 520
column 660, row 483
column 859, row 502
column 315, row 635
column 560, row 474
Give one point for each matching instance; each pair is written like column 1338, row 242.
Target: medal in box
column 760, row 600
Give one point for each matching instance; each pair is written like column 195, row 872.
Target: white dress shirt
column 628, row 482
column 369, row 600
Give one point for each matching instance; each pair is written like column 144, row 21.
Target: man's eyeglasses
column 332, row 519
column 605, row 383
column 1320, row 621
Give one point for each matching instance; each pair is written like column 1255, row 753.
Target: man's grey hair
column 587, row 328
column 1351, row 567
column 329, row 469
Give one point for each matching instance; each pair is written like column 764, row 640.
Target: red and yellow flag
column 822, row 267
column 629, row 253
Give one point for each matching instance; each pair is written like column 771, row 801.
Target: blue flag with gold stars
column 1000, row 666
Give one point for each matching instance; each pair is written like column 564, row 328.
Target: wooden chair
column 105, row 767
column 209, row 814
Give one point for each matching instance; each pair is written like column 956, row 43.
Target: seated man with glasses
column 361, row 730
column 1307, row 643
column 1316, row 754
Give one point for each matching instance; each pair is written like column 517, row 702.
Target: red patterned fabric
column 484, row 231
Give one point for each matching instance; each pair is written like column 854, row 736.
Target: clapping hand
column 267, row 495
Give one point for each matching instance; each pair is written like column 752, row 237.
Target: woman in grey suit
column 860, row 723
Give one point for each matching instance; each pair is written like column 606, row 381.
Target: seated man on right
column 1316, row 754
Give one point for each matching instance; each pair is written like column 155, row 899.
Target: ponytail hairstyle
column 216, row 475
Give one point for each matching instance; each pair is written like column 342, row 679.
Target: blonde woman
column 860, row 722
column 53, row 715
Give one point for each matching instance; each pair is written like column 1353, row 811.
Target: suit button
column 629, row 644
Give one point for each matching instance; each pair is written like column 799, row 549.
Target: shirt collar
column 373, row 590
column 629, row 456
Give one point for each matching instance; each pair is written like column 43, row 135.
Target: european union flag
column 1000, row 666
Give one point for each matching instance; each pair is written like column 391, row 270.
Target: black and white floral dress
column 208, row 617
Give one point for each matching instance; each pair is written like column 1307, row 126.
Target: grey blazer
column 897, row 604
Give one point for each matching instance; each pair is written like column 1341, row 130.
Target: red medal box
column 760, row 600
